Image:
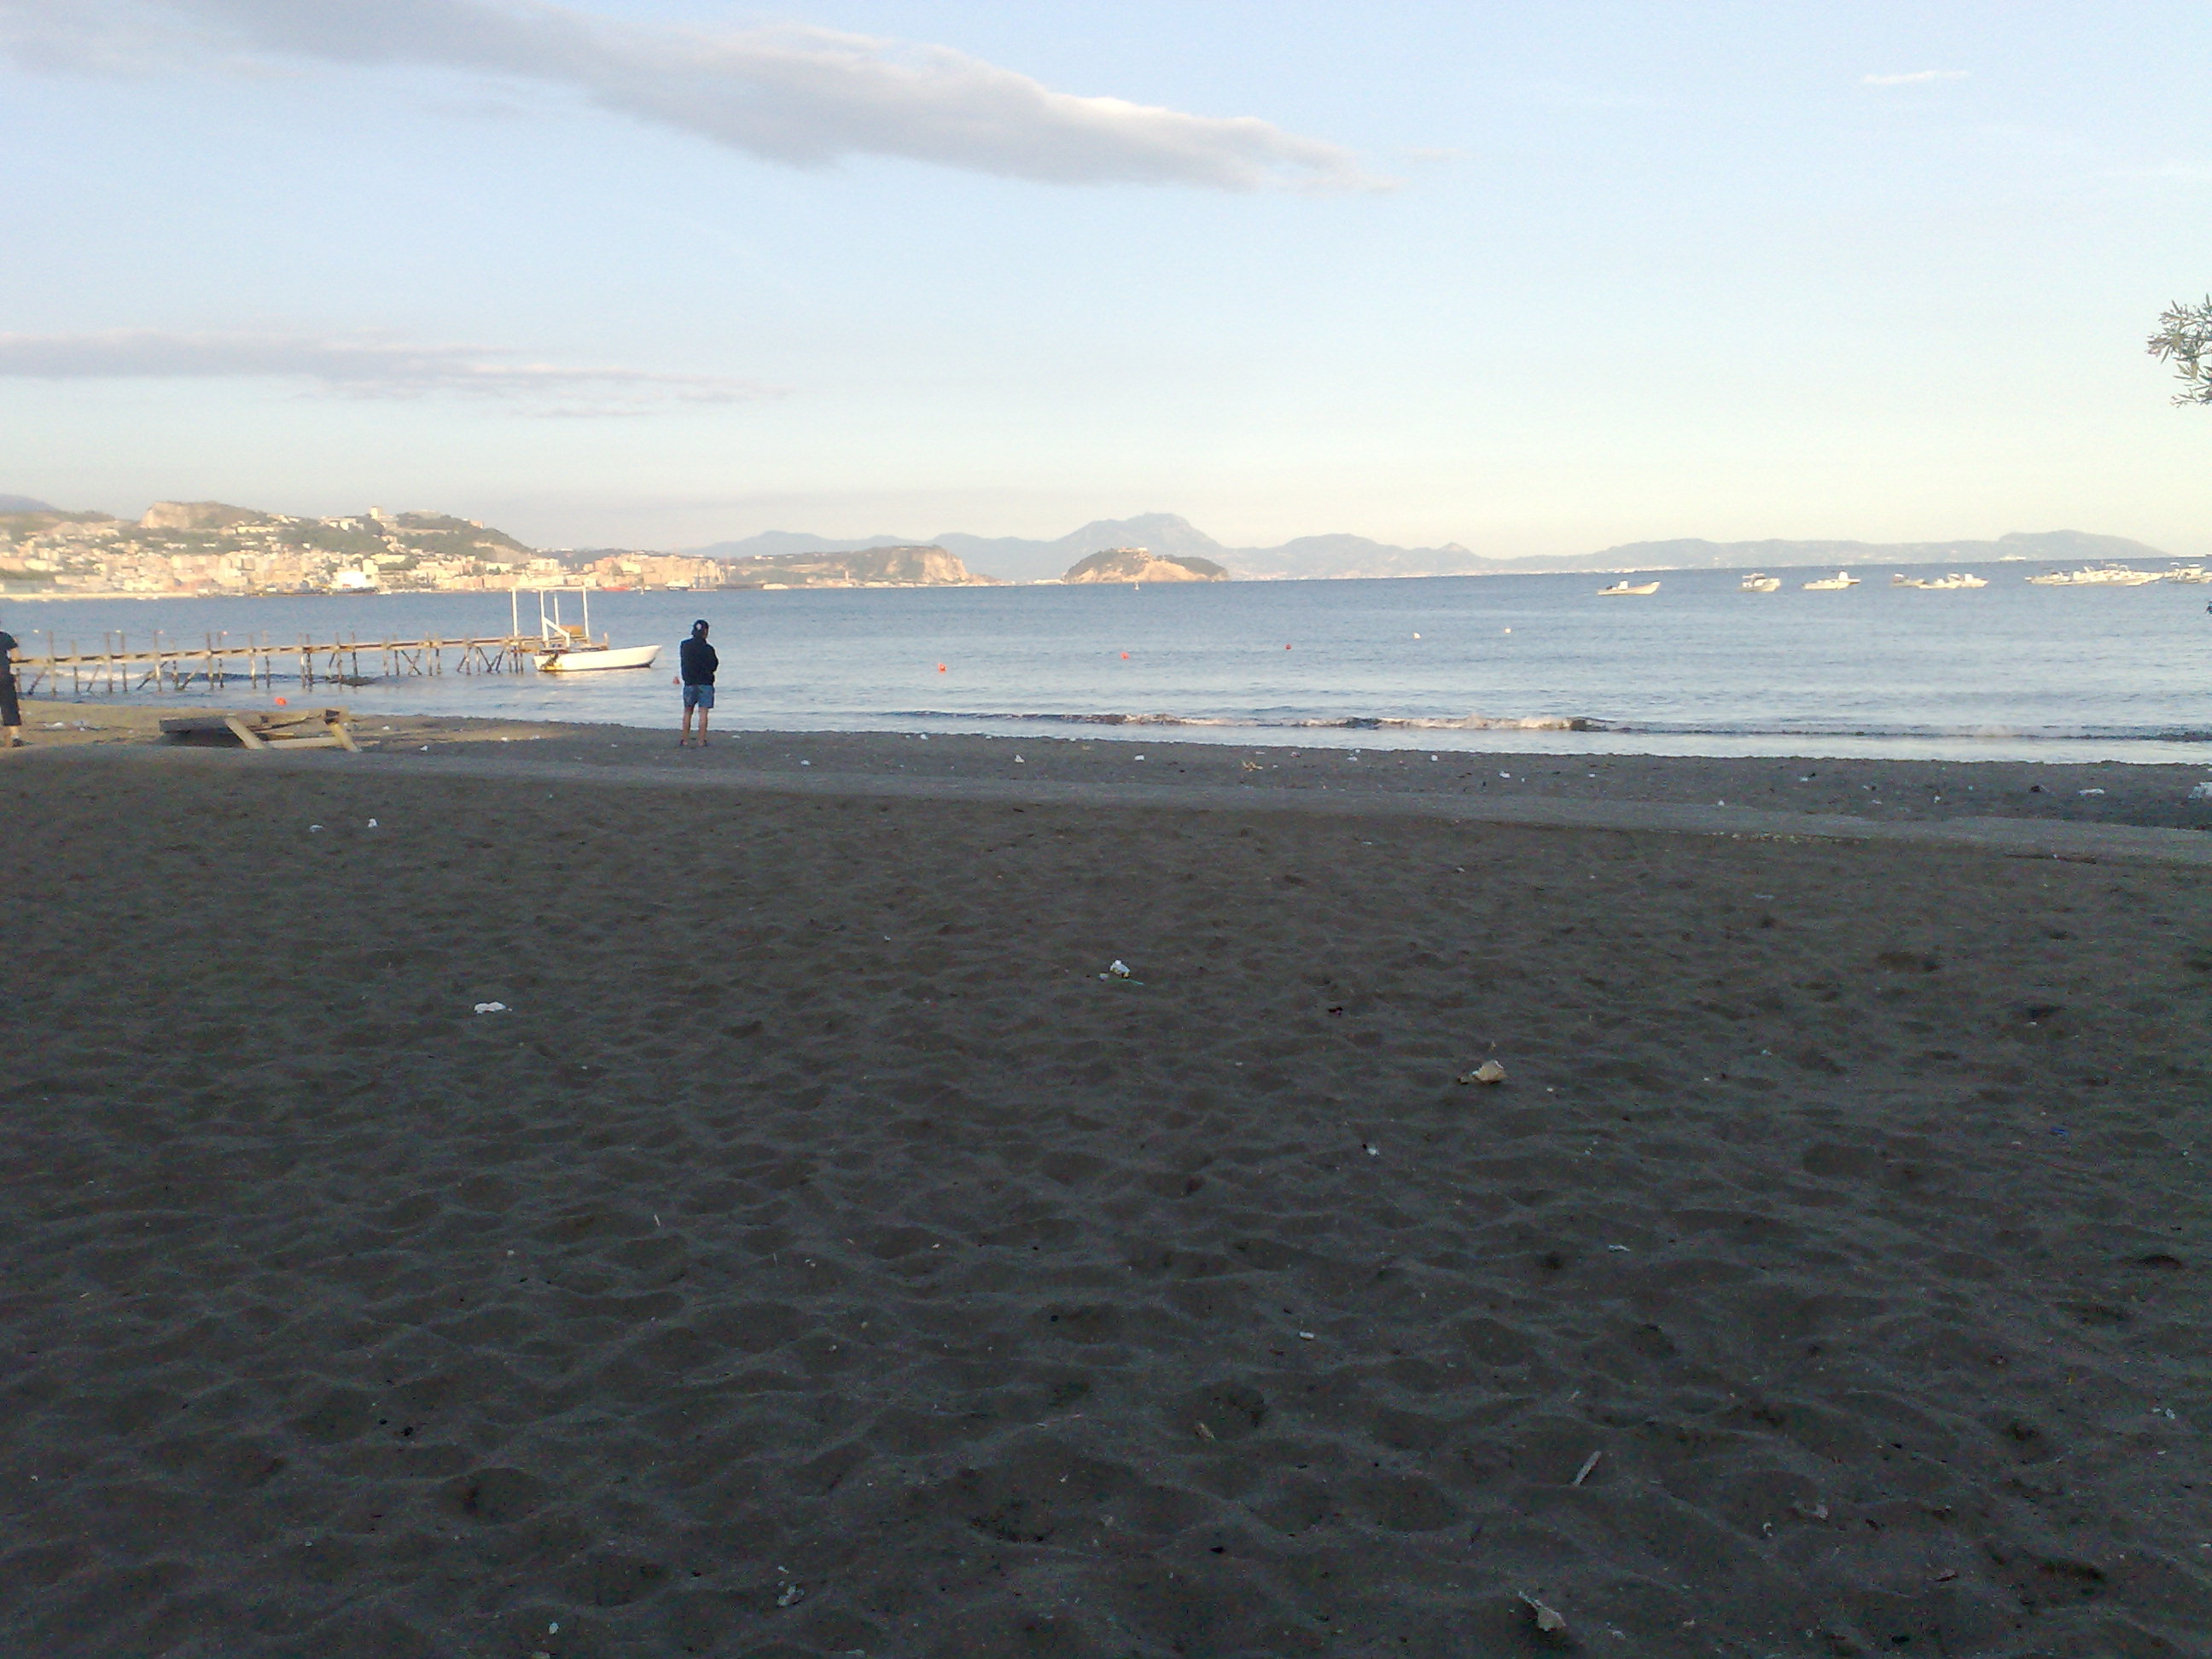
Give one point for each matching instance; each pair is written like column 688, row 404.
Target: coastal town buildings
column 183, row 548
column 195, row 549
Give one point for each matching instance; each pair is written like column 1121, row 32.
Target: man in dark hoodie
column 11, row 713
column 698, row 662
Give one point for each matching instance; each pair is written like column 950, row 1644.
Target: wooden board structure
column 310, row 728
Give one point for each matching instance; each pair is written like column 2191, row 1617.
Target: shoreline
column 1875, row 792
column 1562, row 738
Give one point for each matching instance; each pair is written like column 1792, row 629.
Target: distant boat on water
column 1623, row 587
column 1758, row 581
column 2105, row 575
column 1940, row 583
column 1835, row 584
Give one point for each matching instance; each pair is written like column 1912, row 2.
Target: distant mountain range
column 1015, row 558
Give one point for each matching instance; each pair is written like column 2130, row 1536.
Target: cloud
column 361, row 366
column 802, row 96
column 1916, row 78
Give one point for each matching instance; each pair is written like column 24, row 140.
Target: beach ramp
column 309, row 728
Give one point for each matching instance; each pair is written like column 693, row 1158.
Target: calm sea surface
column 1495, row 663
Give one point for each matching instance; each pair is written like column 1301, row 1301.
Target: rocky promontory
column 1141, row 564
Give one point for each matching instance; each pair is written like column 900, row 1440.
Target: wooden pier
column 256, row 661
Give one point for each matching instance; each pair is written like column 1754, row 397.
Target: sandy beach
column 819, row 1252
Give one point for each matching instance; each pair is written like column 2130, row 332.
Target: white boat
column 1619, row 588
column 2186, row 573
column 1940, row 583
column 1758, row 581
column 569, row 647
column 1835, row 584
column 576, row 658
column 2101, row 575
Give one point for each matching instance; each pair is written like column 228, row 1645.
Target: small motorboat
column 1758, row 581
column 1625, row 588
column 584, row 655
column 2101, row 575
column 1835, row 584
column 568, row 648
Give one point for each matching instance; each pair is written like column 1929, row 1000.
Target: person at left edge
column 696, row 663
column 11, row 713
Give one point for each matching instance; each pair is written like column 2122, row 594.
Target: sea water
column 1530, row 663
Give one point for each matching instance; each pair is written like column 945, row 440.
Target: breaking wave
column 1476, row 722
column 1287, row 723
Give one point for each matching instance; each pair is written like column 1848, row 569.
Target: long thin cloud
column 362, row 365
column 803, row 96
column 1915, row 78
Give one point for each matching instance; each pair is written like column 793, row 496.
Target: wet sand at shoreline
column 1881, row 790
column 817, row 1256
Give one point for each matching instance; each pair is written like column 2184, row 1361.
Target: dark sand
column 818, row 1257
column 1883, row 792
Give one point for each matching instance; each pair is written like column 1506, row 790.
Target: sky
column 1537, row 279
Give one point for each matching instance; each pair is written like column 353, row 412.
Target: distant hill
column 32, row 521
column 2048, row 546
column 783, row 543
column 1141, row 564
column 26, row 504
column 908, row 566
column 1018, row 558
column 213, row 547
column 199, row 515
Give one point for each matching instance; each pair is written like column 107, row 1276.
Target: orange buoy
column 940, row 668
column 1125, row 656
column 281, row 703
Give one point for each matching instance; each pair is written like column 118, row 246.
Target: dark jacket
column 699, row 661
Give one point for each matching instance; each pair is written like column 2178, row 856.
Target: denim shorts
column 698, row 696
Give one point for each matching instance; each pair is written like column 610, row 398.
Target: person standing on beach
column 11, row 711
column 697, row 661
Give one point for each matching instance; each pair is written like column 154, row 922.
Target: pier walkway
column 67, row 668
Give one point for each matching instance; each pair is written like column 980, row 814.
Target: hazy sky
column 1536, row 277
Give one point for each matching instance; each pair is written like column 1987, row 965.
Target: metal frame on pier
column 257, row 660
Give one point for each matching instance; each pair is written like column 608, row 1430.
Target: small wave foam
column 1287, row 723
column 1871, row 730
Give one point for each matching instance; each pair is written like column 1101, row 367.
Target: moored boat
column 1835, row 584
column 578, row 658
column 2101, row 575
column 1620, row 588
column 1758, row 581
column 569, row 647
